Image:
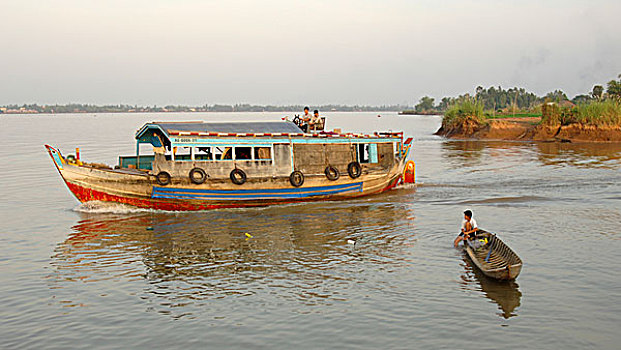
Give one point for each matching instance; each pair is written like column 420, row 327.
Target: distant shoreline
column 82, row 108
column 171, row 112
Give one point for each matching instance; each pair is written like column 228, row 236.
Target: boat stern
column 407, row 167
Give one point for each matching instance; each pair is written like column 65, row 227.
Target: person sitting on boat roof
column 306, row 117
column 315, row 121
column 468, row 228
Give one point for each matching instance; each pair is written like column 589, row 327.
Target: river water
column 106, row 276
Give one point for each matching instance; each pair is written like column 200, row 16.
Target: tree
column 445, row 103
column 556, row 96
column 425, row 104
column 597, row 92
column 582, row 98
column 479, row 90
column 614, row 88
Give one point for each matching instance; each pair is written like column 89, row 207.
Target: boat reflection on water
column 296, row 252
column 506, row 294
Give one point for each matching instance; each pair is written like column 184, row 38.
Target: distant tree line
column 497, row 99
column 89, row 108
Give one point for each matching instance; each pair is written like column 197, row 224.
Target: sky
column 191, row 52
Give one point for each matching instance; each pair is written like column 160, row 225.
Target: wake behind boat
column 200, row 165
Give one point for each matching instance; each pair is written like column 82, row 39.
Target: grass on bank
column 599, row 113
column 464, row 110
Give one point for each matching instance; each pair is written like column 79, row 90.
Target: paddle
column 490, row 250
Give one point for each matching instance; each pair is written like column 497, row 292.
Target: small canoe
column 495, row 259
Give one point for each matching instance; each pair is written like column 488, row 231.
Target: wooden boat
column 243, row 164
column 495, row 259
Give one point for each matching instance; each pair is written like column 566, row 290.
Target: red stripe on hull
column 84, row 194
column 391, row 185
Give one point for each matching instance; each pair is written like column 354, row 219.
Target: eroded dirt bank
column 528, row 129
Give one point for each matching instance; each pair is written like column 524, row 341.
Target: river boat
column 210, row 165
column 495, row 259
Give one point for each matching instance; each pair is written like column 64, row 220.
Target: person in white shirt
column 305, row 119
column 315, row 121
column 468, row 228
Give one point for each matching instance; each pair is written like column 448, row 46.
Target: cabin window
column 243, row 153
column 218, row 153
column 262, row 153
column 367, row 153
column 223, row 153
column 203, row 153
column 182, row 153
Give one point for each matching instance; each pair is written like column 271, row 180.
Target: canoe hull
column 501, row 264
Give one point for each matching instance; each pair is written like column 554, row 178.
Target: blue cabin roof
column 169, row 128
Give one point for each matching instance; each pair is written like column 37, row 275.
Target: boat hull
column 139, row 189
column 502, row 263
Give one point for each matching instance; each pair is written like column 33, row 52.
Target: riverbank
column 413, row 112
column 530, row 129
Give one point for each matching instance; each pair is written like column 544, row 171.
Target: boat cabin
column 261, row 150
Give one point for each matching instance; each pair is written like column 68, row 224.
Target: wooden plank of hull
column 140, row 190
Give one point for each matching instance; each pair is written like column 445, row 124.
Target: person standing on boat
column 468, row 228
column 158, row 149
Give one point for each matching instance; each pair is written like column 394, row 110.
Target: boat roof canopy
column 168, row 128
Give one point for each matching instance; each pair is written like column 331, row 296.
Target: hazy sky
column 305, row 52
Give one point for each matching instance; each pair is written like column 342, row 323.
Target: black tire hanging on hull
column 296, row 178
column 354, row 170
column 332, row 173
column 198, row 175
column 162, row 178
column 238, row 176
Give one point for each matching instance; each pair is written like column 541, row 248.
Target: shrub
column 550, row 114
column 600, row 113
column 465, row 109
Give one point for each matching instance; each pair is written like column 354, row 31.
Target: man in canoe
column 468, row 228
